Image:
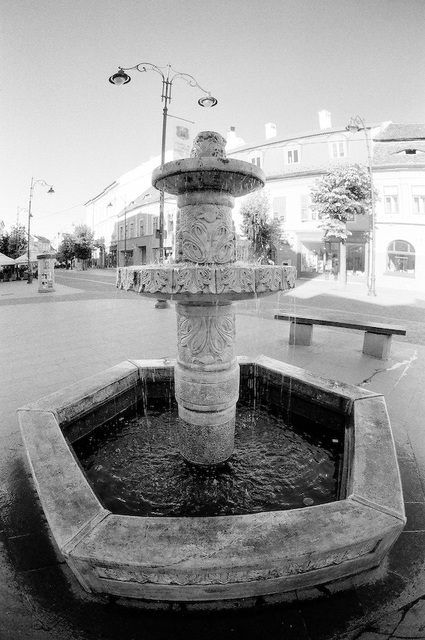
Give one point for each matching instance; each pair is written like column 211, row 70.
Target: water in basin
column 135, row 468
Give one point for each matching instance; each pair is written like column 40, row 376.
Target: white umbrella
column 5, row 261
column 23, row 259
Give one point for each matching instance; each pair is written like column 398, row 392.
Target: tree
column 336, row 196
column 83, row 242
column 264, row 234
column 66, row 249
column 18, row 241
column 5, row 243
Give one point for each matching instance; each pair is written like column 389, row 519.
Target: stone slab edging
column 223, row 557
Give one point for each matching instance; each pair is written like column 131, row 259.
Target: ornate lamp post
column 168, row 75
column 51, row 190
column 358, row 124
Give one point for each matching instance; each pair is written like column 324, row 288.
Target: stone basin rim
column 104, row 551
column 173, row 175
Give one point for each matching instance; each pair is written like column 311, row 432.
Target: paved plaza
column 49, row 341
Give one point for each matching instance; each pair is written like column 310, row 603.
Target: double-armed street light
column 168, row 75
column 51, row 190
column 358, row 124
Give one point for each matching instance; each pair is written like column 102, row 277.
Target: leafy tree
column 336, row 196
column 66, row 249
column 18, row 241
column 5, row 243
column 83, row 242
column 264, row 234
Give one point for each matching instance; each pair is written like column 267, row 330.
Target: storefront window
column 401, row 258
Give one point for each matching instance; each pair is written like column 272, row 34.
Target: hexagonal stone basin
column 216, row 557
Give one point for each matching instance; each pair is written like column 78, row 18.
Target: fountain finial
column 208, row 144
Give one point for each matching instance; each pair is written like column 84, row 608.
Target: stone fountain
column 204, row 281
column 214, row 558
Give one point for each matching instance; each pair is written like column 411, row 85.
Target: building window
column 155, row 222
column 131, row 229
column 256, row 160
column 121, row 232
column 141, row 228
column 338, row 149
column 292, row 156
column 418, row 194
column 391, row 200
column 401, row 258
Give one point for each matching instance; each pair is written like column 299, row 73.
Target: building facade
column 399, row 175
column 292, row 164
column 129, row 205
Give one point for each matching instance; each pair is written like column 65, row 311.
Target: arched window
column 401, row 258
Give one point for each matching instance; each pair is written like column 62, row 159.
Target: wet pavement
column 49, row 341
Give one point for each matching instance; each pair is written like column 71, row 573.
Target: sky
column 277, row 61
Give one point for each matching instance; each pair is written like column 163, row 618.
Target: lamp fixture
column 120, row 78
column 207, row 101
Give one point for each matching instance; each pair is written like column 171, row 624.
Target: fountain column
column 207, row 373
column 206, row 381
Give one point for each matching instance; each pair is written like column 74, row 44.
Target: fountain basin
column 195, row 174
column 208, row 559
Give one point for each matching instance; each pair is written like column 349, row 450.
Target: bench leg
column 300, row 334
column 377, row 345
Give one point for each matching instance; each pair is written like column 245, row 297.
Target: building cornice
column 102, row 193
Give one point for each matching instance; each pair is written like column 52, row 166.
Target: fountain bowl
column 223, row 558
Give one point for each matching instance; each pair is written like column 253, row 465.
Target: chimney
column 231, row 135
column 271, row 131
column 325, row 119
column 232, row 140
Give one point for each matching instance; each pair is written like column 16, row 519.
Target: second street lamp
column 358, row 124
column 51, row 190
column 168, row 75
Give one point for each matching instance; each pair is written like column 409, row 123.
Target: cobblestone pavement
column 49, row 341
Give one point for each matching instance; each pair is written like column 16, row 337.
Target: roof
column 400, row 132
column 279, row 140
column 42, row 239
column 149, row 196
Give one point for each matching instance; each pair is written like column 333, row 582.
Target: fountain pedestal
column 206, row 382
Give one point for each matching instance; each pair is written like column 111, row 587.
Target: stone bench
column 377, row 338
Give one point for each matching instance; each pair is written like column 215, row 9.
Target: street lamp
column 168, row 75
column 51, row 190
column 357, row 124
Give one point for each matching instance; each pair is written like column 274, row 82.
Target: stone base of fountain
column 207, row 559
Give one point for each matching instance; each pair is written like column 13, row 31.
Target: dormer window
column 410, row 152
column 338, row 149
column 292, row 156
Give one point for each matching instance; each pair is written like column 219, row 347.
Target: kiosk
column 46, row 272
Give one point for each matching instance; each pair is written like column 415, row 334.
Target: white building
column 115, row 215
column 292, row 164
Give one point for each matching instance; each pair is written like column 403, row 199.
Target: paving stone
column 387, row 623
column 372, row 635
column 415, row 512
column 413, row 623
column 413, row 490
